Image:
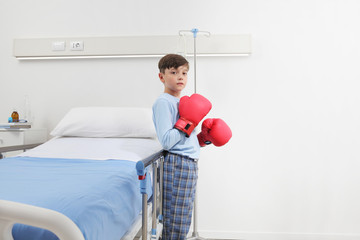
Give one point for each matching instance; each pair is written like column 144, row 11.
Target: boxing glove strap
column 185, row 126
column 202, row 141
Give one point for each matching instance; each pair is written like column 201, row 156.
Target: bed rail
column 14, row 212
column 17, row 148
column 142, row 167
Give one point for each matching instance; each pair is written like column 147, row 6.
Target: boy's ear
column 161, row 76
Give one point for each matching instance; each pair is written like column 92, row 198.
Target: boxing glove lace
column 191, row 110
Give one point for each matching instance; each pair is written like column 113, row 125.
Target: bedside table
column 21, row 136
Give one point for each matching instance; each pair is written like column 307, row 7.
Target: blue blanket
column 101, row 197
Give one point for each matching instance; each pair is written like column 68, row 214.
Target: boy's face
column 174, row 80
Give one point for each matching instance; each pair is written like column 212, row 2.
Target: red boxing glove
column 191, row 110
column 214, row 130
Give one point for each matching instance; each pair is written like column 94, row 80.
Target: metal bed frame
column 144, row 167
column 17, row 148
column 156, row 161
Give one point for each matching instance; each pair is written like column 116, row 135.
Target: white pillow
column 106, row 122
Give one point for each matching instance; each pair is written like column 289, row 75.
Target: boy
column 181, row 144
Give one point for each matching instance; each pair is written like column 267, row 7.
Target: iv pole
column 194, row 31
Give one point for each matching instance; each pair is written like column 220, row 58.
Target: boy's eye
column 173, row 72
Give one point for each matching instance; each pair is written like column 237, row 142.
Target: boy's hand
column 214, row 130
column 191, row 110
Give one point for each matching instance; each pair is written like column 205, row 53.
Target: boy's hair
column 172, row 61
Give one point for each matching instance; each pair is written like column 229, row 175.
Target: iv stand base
column 195, row 236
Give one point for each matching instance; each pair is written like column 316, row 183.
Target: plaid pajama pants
column 180, row 177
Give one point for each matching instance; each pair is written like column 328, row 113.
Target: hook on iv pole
column 194, row 31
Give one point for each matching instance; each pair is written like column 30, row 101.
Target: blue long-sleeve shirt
column 165, row 115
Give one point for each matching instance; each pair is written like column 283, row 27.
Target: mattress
column 65, row 175
column 132, row 149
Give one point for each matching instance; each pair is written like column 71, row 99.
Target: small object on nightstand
column 9, row 119
column 15, row 116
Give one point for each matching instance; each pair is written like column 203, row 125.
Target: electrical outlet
column 77, row 46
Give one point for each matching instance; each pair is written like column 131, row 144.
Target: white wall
column 291, row 170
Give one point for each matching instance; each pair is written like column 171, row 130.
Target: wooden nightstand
column 13, row 137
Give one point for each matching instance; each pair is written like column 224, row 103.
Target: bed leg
column 161, row 185
column 143, row 186
column 144, row 216
column 154, row 207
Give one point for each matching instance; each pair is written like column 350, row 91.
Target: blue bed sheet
column 101, row 197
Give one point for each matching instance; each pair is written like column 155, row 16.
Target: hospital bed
column 95, row 179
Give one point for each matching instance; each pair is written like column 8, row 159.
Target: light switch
column 58, row 46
